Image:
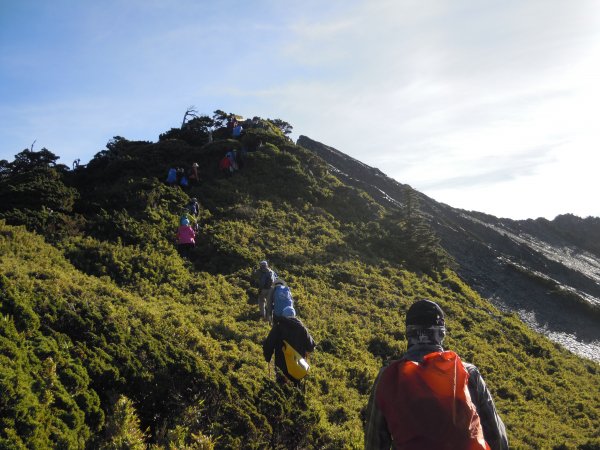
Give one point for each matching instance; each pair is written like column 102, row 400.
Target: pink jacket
column 185, row 235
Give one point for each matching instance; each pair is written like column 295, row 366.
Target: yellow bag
column 296, row 365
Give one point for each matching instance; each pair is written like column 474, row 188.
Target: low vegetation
column 110, row 339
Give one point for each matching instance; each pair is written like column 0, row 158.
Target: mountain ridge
column 550, row 267
column 109, row 335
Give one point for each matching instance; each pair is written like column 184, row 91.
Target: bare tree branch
column 190, row 112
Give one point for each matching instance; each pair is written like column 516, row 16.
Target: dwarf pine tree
column 422, row 246
column 123, row 428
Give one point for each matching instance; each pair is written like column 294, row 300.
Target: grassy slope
column 182, row 339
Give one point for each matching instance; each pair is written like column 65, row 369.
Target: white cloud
column 481, row 105
column 461, row 96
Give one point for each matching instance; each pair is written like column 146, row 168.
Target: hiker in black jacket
column 289, row 328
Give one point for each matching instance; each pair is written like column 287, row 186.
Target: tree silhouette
column 28, row 160
column 190, row 112
column 285, row 127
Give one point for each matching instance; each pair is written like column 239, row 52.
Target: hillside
column 546, row 271
column 110, row 339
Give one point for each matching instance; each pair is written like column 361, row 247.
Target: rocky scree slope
column 546, row 271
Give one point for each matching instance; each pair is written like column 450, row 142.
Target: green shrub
column 103, row 308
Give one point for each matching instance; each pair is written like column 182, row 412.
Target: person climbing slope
column 237, row 130
column 172, row 176
column 264, row 277
column 193, row 207
column 186, row 237
column 231, row 155
column 287, row 330
column 429, row 399
column 225, row 166
column 193, row 176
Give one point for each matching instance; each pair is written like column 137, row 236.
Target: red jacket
column 225, row 163
column 427, row 405
column 390, row 420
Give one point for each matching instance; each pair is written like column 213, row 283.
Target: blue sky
column 483, row 105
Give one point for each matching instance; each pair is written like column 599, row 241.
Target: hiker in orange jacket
column 429, row 399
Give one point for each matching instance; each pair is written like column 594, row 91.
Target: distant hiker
column 236, row 158
column 76, row 163
column 237, row 131
column 183, row 181
column 231, row 155
column 265, row 277
column 429, row 399
column 231, row 123
column 193, row 207
column 241, row 157
column 180, row 173
column 172, row 176
column 287, row 337
column 186, row 237
column 193, row 174
column 225, row 166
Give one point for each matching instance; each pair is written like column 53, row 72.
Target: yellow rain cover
column 296, row 365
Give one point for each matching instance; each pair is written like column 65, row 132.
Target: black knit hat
column 425, row 313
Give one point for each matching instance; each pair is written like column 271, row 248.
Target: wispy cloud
column 459, row 99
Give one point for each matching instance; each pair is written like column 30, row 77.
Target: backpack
column 282, row 297
column 193, row 208
column 427, row 405
column 266, row 279
column 295, row 364
column 172, row 176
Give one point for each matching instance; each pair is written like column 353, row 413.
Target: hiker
column 172, row 176
column 265, row 277
column 183, row 181
column 186, row 237
column 241, row 157
column 225, row 166
column 231, row 156
column 193, row 174
column 231, row 123
column 287, row 330
column 179, row 173
column 429, row 399
column 193, row 207
column 237, row 130
column 236, row 155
